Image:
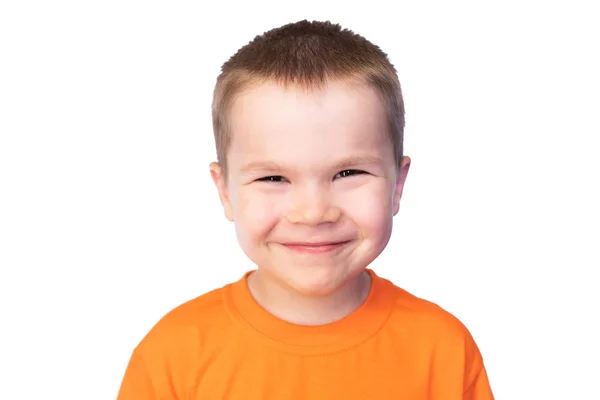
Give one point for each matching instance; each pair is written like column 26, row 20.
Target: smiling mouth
column 315, row 248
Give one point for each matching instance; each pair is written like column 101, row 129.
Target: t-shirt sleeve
column 477, row 383
column 479, row 388
column 137, row 382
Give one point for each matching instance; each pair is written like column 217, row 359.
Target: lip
column 315, row 248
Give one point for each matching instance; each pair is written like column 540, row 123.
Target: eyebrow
column 352, row 161
column 261, row 166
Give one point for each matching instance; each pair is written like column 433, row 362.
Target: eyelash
column 345, row 173
column 351, row 172
column 271, row 179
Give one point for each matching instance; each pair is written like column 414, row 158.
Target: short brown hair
column 307, row 54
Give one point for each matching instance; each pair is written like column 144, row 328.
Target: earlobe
column 400, row 180
column 218, row 176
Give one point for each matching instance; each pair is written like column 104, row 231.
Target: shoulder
column 437, row 341
column 167, row 359
column 188, row 326
column 431, row 328
column 424, row 314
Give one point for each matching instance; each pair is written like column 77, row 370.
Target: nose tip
column 315, row 210
column 314, row 217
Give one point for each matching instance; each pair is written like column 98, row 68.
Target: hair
column 307, row 55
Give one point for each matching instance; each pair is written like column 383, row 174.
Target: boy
column 308, row 121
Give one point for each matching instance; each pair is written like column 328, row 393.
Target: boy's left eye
column 349, row 172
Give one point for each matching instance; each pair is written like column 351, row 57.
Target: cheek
column 371, row 209
column 255, row 214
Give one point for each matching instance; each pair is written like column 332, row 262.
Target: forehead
column 292, row 124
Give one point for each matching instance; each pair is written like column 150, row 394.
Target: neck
column 300, row 309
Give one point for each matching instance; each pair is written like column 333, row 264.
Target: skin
column 312, row 186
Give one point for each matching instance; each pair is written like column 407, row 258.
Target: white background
column 108, row 216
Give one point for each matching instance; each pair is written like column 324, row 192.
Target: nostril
column 315, row 214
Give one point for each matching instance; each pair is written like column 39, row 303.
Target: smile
column 315, row 248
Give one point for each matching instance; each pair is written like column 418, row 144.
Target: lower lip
column 326, row 248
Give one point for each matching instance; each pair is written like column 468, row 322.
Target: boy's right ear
column 218, row 176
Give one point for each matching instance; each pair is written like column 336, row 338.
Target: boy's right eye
column 274, row 179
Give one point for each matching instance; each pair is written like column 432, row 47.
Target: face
column 312, row 183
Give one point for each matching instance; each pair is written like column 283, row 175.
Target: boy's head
column 308, row 121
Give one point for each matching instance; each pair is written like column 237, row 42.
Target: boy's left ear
column 218, row 176
column 400, row 180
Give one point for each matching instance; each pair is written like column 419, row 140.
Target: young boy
column 308, row 120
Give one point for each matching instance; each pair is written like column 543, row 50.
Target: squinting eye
column 349, row 172
column 275, row 179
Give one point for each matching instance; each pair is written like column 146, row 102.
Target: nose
column 313, row 207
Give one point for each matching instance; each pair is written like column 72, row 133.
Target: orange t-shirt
column 223, row 345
